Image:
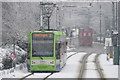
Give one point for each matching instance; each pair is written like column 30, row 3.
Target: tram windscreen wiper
column 34, row 55
column 41, row 57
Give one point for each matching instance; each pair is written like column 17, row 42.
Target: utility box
column 108, row 41
column 108, row 46
column 115, row 38
column 115, row 47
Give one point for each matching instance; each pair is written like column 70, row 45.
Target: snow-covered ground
column 91, row 71
column 110, row 70
column 17, row 72
column 72, row 68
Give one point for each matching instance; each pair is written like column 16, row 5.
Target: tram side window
column 64, row 47
column 84, row 34
column 89, row 34
column 58, row 46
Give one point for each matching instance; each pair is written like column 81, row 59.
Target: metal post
column 116, row 15
column 13, row 49
column 59, row 19
column 41, row 18
column 56, row 15
column 100, row 23
column 14, row 45
column 88, row 17
column 113, row 20
column 48, row 23
column 116, row 47
column 119, row 27
column 46, row 13
column 116, row 56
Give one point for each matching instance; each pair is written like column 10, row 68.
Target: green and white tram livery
column 47, row 50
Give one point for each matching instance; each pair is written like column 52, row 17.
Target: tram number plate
column 48, row 62
column 42, row 61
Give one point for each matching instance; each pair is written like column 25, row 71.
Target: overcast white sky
column 57, row 0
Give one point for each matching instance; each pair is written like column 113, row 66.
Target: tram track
column 26, row 76
column 97, row 65
column 99, row 69
column 82, row 69
column 72, row 55
column 48, row 76
column 23, row 78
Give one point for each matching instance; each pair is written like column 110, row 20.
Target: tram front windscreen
column 42, row 44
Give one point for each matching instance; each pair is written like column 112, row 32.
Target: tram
column 47, row 51
column 86, row 36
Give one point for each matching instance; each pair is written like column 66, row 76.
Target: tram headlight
column 33, row 62
column 52, row 62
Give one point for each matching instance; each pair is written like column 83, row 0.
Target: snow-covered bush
column 7, row 62
column 8, row 50
column 1, row 66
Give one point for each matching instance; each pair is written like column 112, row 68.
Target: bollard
column 111, row 52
